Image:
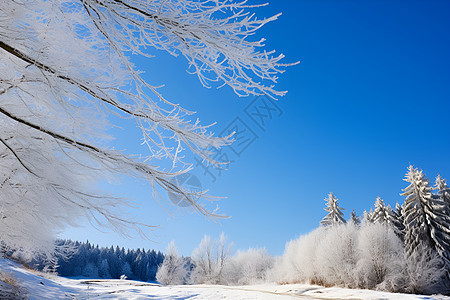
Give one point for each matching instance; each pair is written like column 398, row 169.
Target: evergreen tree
column 425, row 219
column 380, row 214
column 354, row 218
column 126, row 270
column 443, row 192
column 335, row 215
column 417, row 204
column 396, row 220
column 442, row 213
column 367, row 217
column 103, row 269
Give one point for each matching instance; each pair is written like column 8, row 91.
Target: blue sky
column 370, row 96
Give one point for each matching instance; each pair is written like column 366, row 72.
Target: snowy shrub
column 425, row 272
column 172, row 270
column 298, row 263
column 380, row 255
column 248, row 267
column 336, row 256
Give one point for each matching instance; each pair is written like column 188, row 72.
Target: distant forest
column 108, row 263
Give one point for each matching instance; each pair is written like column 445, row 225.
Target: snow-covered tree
column 425, row 219
column 90, row 270
column 442, row 212
column 103, row 269
column 396, row 220
column 380, row 213
column 367, row 216
column 67, row 69
column 354, row 219
column 443, row 191
column 417, row 204
column 335, row 215
column 173, row 270
column 210, row 259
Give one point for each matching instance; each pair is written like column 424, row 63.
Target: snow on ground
column 43, row 286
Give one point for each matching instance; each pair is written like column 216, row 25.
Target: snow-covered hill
column 18, row 282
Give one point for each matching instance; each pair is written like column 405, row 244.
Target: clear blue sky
column 370, row 96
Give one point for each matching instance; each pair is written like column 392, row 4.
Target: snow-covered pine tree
column 443, row 191
column 418, row 194
column 335, row 215
column 424, row 217
column 396, row 220
column 380, row 214
column 354, row 218
column 442, row 212
column 367, row 217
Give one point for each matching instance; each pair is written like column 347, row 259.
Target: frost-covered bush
column 249, row 267
column 172, row 270
column 336, row 256
column 425, row 272
column 298, row 263
column 381, row 256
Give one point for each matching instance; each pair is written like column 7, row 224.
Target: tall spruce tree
column 367, row 216
column 335, row 215
column 380, row 214
column 418, row 197
column 354, row 218
column 442, row 212
column 443, row 192
column 425, row 218
column 396, row 220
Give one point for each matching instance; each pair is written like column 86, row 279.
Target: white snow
column 43, row 286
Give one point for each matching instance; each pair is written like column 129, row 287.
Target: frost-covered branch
column 212, row 35
column 65, row 69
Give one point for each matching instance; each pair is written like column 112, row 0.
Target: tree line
column 112, row 262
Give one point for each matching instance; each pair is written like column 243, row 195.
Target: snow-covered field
column 42, row 286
